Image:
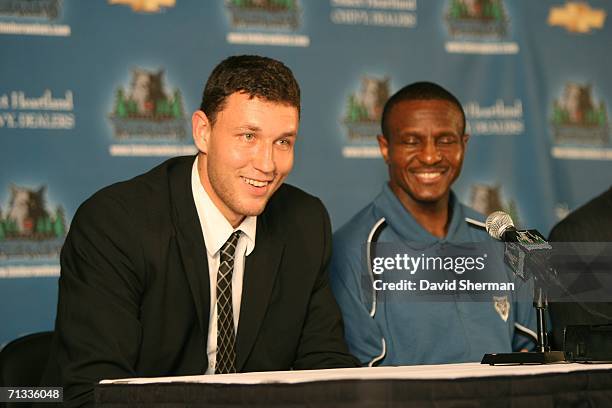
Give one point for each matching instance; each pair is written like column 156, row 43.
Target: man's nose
column 263, row 159
column 430, row 154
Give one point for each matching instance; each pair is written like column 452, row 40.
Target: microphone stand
column 543, row 354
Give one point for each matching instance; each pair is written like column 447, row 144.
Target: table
column 440, row 386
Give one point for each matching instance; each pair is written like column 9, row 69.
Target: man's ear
column 383, row 145
column 465, row 139
column 201, row 127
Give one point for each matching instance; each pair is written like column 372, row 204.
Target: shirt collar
column 215, row 227
column 400, row 219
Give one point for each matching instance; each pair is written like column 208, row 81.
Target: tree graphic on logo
column 355, row 110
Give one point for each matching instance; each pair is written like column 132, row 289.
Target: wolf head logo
column 146, row 90
column 26, row 207
column 502, row 307
column 577, row 101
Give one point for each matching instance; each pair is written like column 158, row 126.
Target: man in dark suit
column 590, row 223
column 207, row 264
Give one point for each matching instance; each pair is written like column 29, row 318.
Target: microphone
column 501, row 227
column 526, row 251
column 497, row 223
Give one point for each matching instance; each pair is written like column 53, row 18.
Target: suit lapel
column 260, row 270
column 189, row 239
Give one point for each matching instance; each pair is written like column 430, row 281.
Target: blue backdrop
column 99, row 91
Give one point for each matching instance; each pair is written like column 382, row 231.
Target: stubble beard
column 222, row 187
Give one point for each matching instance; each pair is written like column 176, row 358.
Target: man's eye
column 446, row 140
column 410, row 141
column 248, row 136
column 284, row 144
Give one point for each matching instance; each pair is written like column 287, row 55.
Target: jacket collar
column 401, row 220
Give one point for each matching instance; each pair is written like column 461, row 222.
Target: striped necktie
column 226, row 336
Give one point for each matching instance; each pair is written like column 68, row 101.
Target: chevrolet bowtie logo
column 577, row 17
column 145, row 6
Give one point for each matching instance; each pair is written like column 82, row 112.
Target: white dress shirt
column 216, row 230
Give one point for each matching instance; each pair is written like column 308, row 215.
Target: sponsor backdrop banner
column 96, row 92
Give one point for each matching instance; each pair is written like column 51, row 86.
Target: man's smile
column 429, row 176
column 255, row 183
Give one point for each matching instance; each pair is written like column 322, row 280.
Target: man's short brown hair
column 253, row 75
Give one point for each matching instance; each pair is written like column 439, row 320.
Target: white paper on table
column 421, row 372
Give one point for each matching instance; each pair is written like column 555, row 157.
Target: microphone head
column 497, row 223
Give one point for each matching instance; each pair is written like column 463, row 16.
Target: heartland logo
column 19, row 110
column 380, row 13
column 497, row 119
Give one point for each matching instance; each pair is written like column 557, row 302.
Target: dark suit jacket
column 134, row 287
column 590, row 223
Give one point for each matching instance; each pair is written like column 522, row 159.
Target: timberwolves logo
column 477, row 18
column 31, row 232
column 145, row 6
column 147, row 110
column 47, row 9
column 273, row 14
column 502, row 307
column 577, row 118
column 486, row 199
column 364, row 109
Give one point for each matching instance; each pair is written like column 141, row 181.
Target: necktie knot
column 229, row 248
